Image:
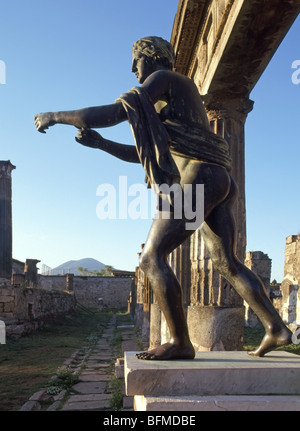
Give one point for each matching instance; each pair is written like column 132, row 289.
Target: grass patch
column 27, row 363
column 65, row 380
column 116, row 400
column 116, row 385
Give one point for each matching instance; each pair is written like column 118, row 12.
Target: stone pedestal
column 226, row 377
column 216, row 328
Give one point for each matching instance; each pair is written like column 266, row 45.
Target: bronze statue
column 175, row 146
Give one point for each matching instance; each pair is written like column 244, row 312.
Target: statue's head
column 157, row 49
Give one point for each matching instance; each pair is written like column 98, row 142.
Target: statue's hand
column 89, row 138
column 43, row 121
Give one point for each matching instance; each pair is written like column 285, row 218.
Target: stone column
column 132, row 298
column 180, row 263
column 290, row 294
column 290, row 286
column 155, row 325
column 140, row 280
column 216, row 312
column 5, row 220
column 147, row 299
column 260, row 264
column 227, row 115
column 292, row 258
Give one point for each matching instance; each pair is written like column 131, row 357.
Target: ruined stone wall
column 114, row 291
column 52, row 282
column 24, row 309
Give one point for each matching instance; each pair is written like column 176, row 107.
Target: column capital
column 227, row 106
column 6, row 168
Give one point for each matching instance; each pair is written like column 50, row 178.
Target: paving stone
column 37, row 396
column 60, row 396
column 30, row 405
column 92, row 370
column 96, row 365
column 101, row 354
column 86, row 405
column 101, row 357
column 94, row 377
column 53, row 406
column 88, row 397
column 90, row 387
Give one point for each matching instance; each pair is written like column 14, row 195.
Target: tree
column 105, row 272
column 82, row 271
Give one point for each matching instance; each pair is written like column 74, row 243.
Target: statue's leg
column 164, row 237
column 218, row 233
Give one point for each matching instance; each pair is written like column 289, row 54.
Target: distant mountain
column 72, row 266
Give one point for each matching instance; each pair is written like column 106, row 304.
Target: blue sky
column 64, row 55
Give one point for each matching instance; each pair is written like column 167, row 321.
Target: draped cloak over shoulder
column 156, row 140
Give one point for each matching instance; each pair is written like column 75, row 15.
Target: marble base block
column 214, row 373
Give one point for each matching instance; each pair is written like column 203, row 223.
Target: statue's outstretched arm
column 92, row 139
column 94, row 117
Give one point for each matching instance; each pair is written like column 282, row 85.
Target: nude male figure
column 176, row 101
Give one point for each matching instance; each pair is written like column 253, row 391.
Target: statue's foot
column 272, row 341
column 168, row 351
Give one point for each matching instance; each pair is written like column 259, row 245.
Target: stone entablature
column 226, row 44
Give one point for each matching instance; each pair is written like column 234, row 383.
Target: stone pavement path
column 93, row 390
